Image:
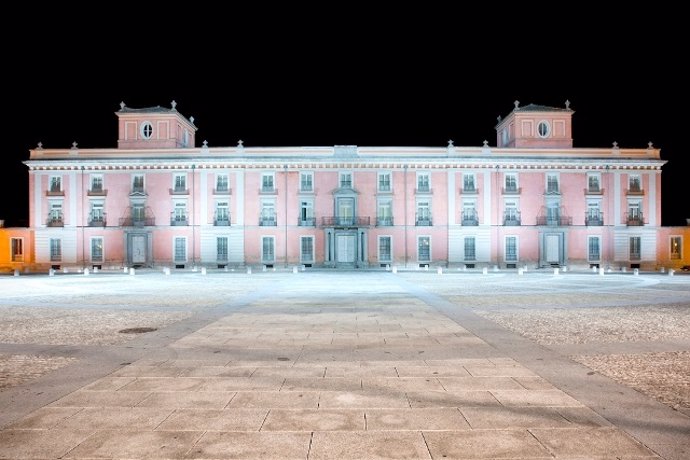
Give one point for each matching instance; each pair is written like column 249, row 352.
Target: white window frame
column 227, row 248
column 597, row 176
column 225, row 205
column 513, row 175
column 390, row 247
column 143, row 130
column 263, row 255
column 306, row 174
column 308, row 204
column 631, row 178
column 383, row 174
column 301, row 247
column 630, row 247
column 174, row 249
column 183, row 177
column 419, row 239
column 94, row 177
column 220, row 176
column 264, row 184
column 558, row 182
column 55, row 250
column 505, row 249
column 55, row 178
column 680, row 249
column 17, row 256
column 341, row 175
column 589, row 253
column 266, row 204
column 474, row 248
column 143, row 182
column 93, row 239
column 180, row 213
column 426, row 174
column 548, row 129
column 381, row 204
column 473, row 180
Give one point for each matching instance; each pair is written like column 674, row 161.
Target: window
column 634, row 213
column 424, row 249
column 55, row 214
column 470, row 248
column 385, row 249
column 268, row 213
column 97, row 249
column 553, row 214
column 55, row 184
column 55, row 250
column 543, row 129
column 267, row 249
column 17, row 248
column 511, row 183
column 306, row 249
column 180, row 213
column 511, row 249
column 385, row 213
column 306, row 182
column 180, row 183
column 423, row 182
column 423, row 213
column 511, row 214
column 222, row 213
column 97, row 184
column 634, row 184
column 676, row 247
column 222, row 248
column 345, row 180
column 268, row 182
column 384, row 182
column 468, row 183
column 593, row 183
column 180, row 252
column 306, row 213
column 504, row 136
column 185, row 138
column 469, row 213
column 138, row 183
column 97, row 215
column 635, row 248
column 222, row 184
column 593, row 216
column 551, row 183
column 138, row 212
column 146, row 130
column 346, row 211
column 594, row 251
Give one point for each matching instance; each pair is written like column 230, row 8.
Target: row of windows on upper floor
column 384, row 183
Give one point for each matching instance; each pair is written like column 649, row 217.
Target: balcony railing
column 306, row 222
column 635, row 191
column 338, row 221
column 221, row 220
column 384, row 221
column 178, row 219
column 55, row 192
column 137, row 191
column 423, row 221
column 594, row 191
column 268, row 189
column 556, row 221
column 137, row 222
column 222, row 191
column 97, row 192
column 267, row 222
column 469, row 217
column 594, row 219
column 55, row 221
column 97, row 220
column 634, row 219
column 512, row 218
column 423, row 190
column 469, row 190
column 179, row 191
column 553, row 191
column 511, row 190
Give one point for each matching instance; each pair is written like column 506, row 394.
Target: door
column 138, row 249
column 345, row 249
column 553, row 249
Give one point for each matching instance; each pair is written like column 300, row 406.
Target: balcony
column 594, row 219
column 634, row 219
column 137, row 221
column 423, row 221
column 469, row 217
column 178, row 219
column 554, row 221
column 55, row 220
column 594, row 191
column 635, row 191
column 512, row 218
column 222, row 191
column 338, row 221
column 511, row 190
column 221, row 219
column 97, row 220
column 179, row 191
column 137, row 191
column 306, row 222
column 384, row 221
column 469, row 190
column 423, row 190
column 97, row 192
column 55, row 192
column 552, row 191
column 267, row 222
column 268, row 190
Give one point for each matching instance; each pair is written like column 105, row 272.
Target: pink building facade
column 158, row 200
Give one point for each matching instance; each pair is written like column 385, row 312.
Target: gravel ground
column 17, row 369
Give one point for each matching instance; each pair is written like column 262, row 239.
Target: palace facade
column 158, row 200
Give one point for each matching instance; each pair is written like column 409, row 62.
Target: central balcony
column 137, row 222
column 350, row 221
column 554, row 221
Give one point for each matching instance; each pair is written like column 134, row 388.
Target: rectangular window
column 268, row 214
column 593, row 183
column 222, row 213
column 468, row 183
column 511, row 182
column 470, row 248
column 138, row 183
column 55, row 214
column 594, row 250
column 423, row 213
column 634, row 183
column 138, row 212
column 306, row 181
column 222, row 248
column 180, row 249
column 511, row 213
column 222, row 183
column 511, row 249
column 306, row 213
column 385, row 254
column 593, row 216
column 268, row 182
column 17, row 248
column 635, row 248
column 55, row 184
column 345, row 180
column 676, row 247
column 384, row 182
column 385, row 212
column 97, row 216
column 306, row 249
column 552, row 183
column 469, row 213
column 268, row 249
column 55, row 250
column 424, row 249
column 97, row 249
column 180, row 213
column 180, row 183
column 423, row 182
column 97, row 184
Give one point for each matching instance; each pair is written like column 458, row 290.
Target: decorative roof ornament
column 205, row 143
column 615, row 144
column 450, row 144
column 122, row 105
column 74, row 145
column 567, row 104
column 499, row 118
column 650, row 145
column 486, row 143
column 173, row 104
column 517, row 104
column 240, row 144
column 191, row 120
column 39, row 146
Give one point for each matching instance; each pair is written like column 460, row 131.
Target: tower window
column 146, row 130
column 543, row 129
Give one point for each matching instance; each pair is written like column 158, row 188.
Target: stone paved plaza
column 346, row 365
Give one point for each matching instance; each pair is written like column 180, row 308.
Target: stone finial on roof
column 517, row 104
column 450, row 143
column 191, row 120
column 74, row 144
column 240, row 144
column 567, row 104
column 650, row 145
column 499, row 118
column 39, row 146
column 205, row 143
column 173, row 104
column 486, row 143
column 615, row 144
column 122, row 105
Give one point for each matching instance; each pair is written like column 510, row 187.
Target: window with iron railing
column 635, row 248
column 470, row 248
column 593, row 253
column 424, row 249
column 222, row 248
column 384, row 249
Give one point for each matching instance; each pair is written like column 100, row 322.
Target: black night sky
column 343, row 79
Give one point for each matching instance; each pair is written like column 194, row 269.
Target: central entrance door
column 138, row 249
column 345, row 249
column 553, row 249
